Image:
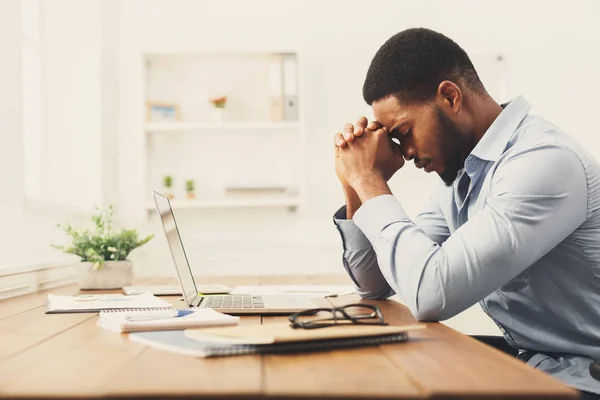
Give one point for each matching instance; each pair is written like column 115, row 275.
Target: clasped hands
column 366, row 158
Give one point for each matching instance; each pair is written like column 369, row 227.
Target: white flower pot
column 218, row 114
column 111, row 275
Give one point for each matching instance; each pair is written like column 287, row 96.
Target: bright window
column 32, row 83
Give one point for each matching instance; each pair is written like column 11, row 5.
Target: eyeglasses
column 360, row 314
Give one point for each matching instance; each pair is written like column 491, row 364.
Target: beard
column 451, row 144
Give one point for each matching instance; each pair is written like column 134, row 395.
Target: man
column 515, row 225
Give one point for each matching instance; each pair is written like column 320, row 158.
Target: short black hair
column 412, row 64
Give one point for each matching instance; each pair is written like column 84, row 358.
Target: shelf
column 155, row 127
column 292, row 202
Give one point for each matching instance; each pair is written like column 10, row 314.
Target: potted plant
column 189, row 188
column 103, row 252
column 219, row 107
column 219, row 102
column 168, row 184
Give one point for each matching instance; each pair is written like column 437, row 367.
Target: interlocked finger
column 360, row 125
column 338, row 140
column 348, row 132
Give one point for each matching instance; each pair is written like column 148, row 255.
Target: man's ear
column 449, row 97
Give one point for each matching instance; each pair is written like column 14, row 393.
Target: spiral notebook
column 116, row 321
column 182, row 343
column 178, row 342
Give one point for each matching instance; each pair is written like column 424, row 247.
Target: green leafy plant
column 102, row 243
column 168, row 181
column 189, row 186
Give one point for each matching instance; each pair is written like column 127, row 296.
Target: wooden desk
column 69, row 356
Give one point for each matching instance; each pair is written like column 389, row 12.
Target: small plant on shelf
column 189, row 188
column 219, row 102
column 168, row 184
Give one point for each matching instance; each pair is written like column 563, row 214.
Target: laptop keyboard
column 232, row 302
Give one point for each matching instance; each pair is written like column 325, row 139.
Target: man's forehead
column 389, row 111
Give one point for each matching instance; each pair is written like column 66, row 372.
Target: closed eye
column 396, row 136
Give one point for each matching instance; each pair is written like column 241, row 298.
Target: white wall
column 73, row 151
column 73, row 129
column 11, row 153
column 17, row 224
column 549, row 54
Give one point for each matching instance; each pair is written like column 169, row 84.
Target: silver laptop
column 174, row 290
column 230, row 304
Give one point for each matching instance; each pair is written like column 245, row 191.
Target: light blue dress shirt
column 518, row 232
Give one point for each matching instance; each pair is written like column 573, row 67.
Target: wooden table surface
column 67, row 355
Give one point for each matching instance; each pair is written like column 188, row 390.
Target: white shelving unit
column 267, row 146
column 212, row 127
column 282, row 201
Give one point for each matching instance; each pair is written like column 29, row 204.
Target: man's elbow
column 431, row 301
column 425, row 314
column 427, row 309
column 376, row 294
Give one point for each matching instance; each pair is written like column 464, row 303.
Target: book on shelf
column 290, row 89
column 275, row 81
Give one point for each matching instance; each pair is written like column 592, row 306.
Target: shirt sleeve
column 524, row 217
column 431, row 220
column 359, row 258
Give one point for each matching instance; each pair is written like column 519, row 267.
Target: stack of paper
column 95, row 303
column 118, row 321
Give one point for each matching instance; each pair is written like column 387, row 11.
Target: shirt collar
column 494, row 141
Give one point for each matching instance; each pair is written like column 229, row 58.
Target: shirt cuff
column 378, row 213
column 352, row 236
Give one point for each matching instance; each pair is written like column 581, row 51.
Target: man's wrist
column 370, row 186
column 353, row 202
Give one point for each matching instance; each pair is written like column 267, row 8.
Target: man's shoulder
column 536, row 137
column 542, row 160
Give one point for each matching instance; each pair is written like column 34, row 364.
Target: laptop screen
column 188, row 285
